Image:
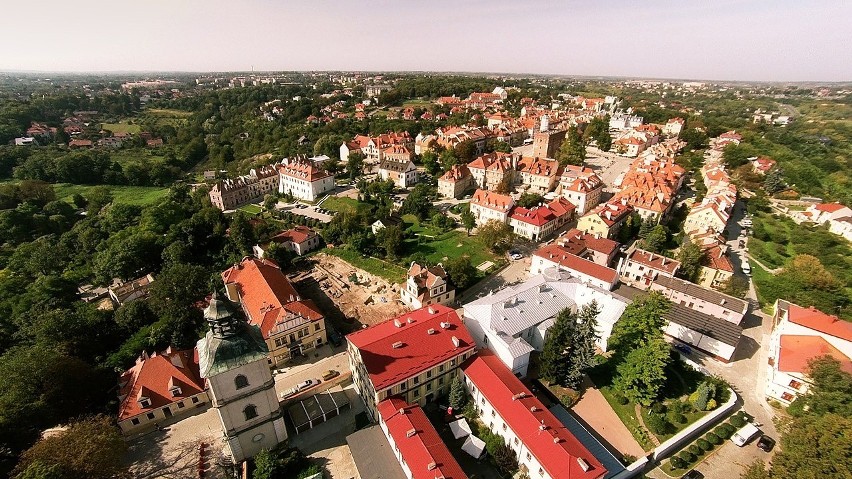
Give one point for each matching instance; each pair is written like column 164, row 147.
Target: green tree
column 641, row 375
column 390, row 239
column 266, row 465
column 735, row 286
column 269, row 202
column 241, row 234
column 468, row 220
column 503, row 147
column 572, row 151
column 461, row 271
column 815, row 446
column 97, row 198
column 355, row 165
column 755, row 470
column 430, row 162
column 647, row 226
column 465, row 151
column 690, row 257
column 529, row 200
column 774, row 181
column 559, row 348
column 92, row 448
column 695, row 139
column 506, row 184
column 656, row 239
column 448, row 159
column 282, row 256
column 642, row 319
column 584, row 344
column 831, row 390
column 495, row 236
column 458, row 396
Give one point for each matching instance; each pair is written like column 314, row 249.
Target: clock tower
column 233, row 358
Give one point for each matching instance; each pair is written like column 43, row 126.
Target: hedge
column 704, row 445
column 713, row 439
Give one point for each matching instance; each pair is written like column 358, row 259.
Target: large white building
column 303, row 180
column 543, row 445
column 513, row 322
column 487, row 206
column 799, row 335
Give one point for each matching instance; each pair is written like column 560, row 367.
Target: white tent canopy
column 460, row 428
column 474, row 446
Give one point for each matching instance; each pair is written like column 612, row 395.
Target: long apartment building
column 414, row 356
column 291, row 326
column 543, row 446
column 230, row 194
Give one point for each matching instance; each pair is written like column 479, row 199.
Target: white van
column 745, row 434
column 746, row 268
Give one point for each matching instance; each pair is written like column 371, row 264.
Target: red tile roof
column 423, row 451
column 538, row 216
column 564, row 257
column 552, row 444
column 153, row 377
column 419, row 349
column 654, row 261
column 829, row 207
column 562, row 207
column 491, row 200
column 303, row 170
column 299, row 234
column 456, row 173
column 795, row 352
column 817, row 320
column 582, row 240
column 267, row 296
column 612, row 212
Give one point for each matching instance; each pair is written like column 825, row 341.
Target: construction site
column 350, row 296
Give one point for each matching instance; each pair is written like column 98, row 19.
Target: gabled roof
column 829, row 207
column 563, row 257
column 537, row 216
column 417, row 441
column 303, row 170
column 575, row 239
column 544, row 436
column 817, row 320
column 456, row 173
column 612, row 212
column 493, row 201
column 153, row 377
column 299, row 235
column 704, row 294
column 796, row 351
column 654, row 260
column 417, row 349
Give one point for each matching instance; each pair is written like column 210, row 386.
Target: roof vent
column 431, row 466
column 557, row 440
column 411, row 432
column 520, row 395
column 402, row 411
column 583, row 464
column 430, row 331
column 431, row 310
column 455, row 341
column 445, row 325
column 410, row 320
column 397, row 323
column 533, row 409
column 397, row 345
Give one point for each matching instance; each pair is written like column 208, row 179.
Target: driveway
column 319, row 360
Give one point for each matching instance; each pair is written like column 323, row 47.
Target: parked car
column 745, row 434
column 693, row 474
column 683, row 348
column 746, row 268
column 766, row 443
column 298, row 388
column 515, row 254
column 331, row 373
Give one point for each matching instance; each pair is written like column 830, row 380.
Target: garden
column 703, row 447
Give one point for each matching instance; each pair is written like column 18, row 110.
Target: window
column 516, row 441
column 416, row 380
column 504, row 426
column 787, row 396
column 795, row 384
column 240, row 381
column 540, row 471
column 492, row 413
column 440, row 368
column 250, row 412
column 180, row 405
column 135, row 421
column 194, row 400
column 529, row 457
column 428, row 386
column 150, row 415
column 317, row 327
column 429, row 373
column 279, row 342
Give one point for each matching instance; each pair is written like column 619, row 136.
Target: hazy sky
column 781, row 40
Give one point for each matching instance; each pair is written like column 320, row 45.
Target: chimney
column 456, row 341
column 397, row 323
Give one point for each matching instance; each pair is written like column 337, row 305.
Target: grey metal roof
column 373, row 455
column 705, row 294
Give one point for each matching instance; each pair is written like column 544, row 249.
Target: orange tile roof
column 796, row 351
column 303, row 170
column 654, row 261
column 456, row 173
column 491, row 200
column 153, row 377
column 817, row 320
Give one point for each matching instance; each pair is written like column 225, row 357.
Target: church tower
column 233, row 358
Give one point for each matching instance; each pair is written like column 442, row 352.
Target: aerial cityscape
column 375, row 240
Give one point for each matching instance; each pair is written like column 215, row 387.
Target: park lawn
column 251, row 209
column 451, row 245
column 121, row 128
column 416, row 103
column 393, row 273
column 144, row 156
column 342, row 205
column 130, row 195
column 418, row 228
column 168, row 113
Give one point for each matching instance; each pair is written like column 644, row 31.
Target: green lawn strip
column 251, row 209
column 343, row 205
column 168, row 113
column 130, row 195
column 121, row 128
column 392, row 272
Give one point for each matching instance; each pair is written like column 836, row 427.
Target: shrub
column 676, row 417
column 726, row 432
column 711, row 405
column 695, row 450
column 658, row 424
column 737, row 421
column 659, row 408
column 687, row 457
column 677, row 463
column 705, row 392
column 620, row 399
column 680, row 407
column 704, row 444
column 713, row 439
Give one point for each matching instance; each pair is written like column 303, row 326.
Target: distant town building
column 455, row 182
column 427, row 285
column 299, row 240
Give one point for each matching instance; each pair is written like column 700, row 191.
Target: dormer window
column 144, row 402
column 175, row 391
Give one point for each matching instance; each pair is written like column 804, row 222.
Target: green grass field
column 392, row 272
column 121, row 128
column 168, row 113
column 343, row 205
column 131, row 195
column 251, row 209
column 136, row 155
